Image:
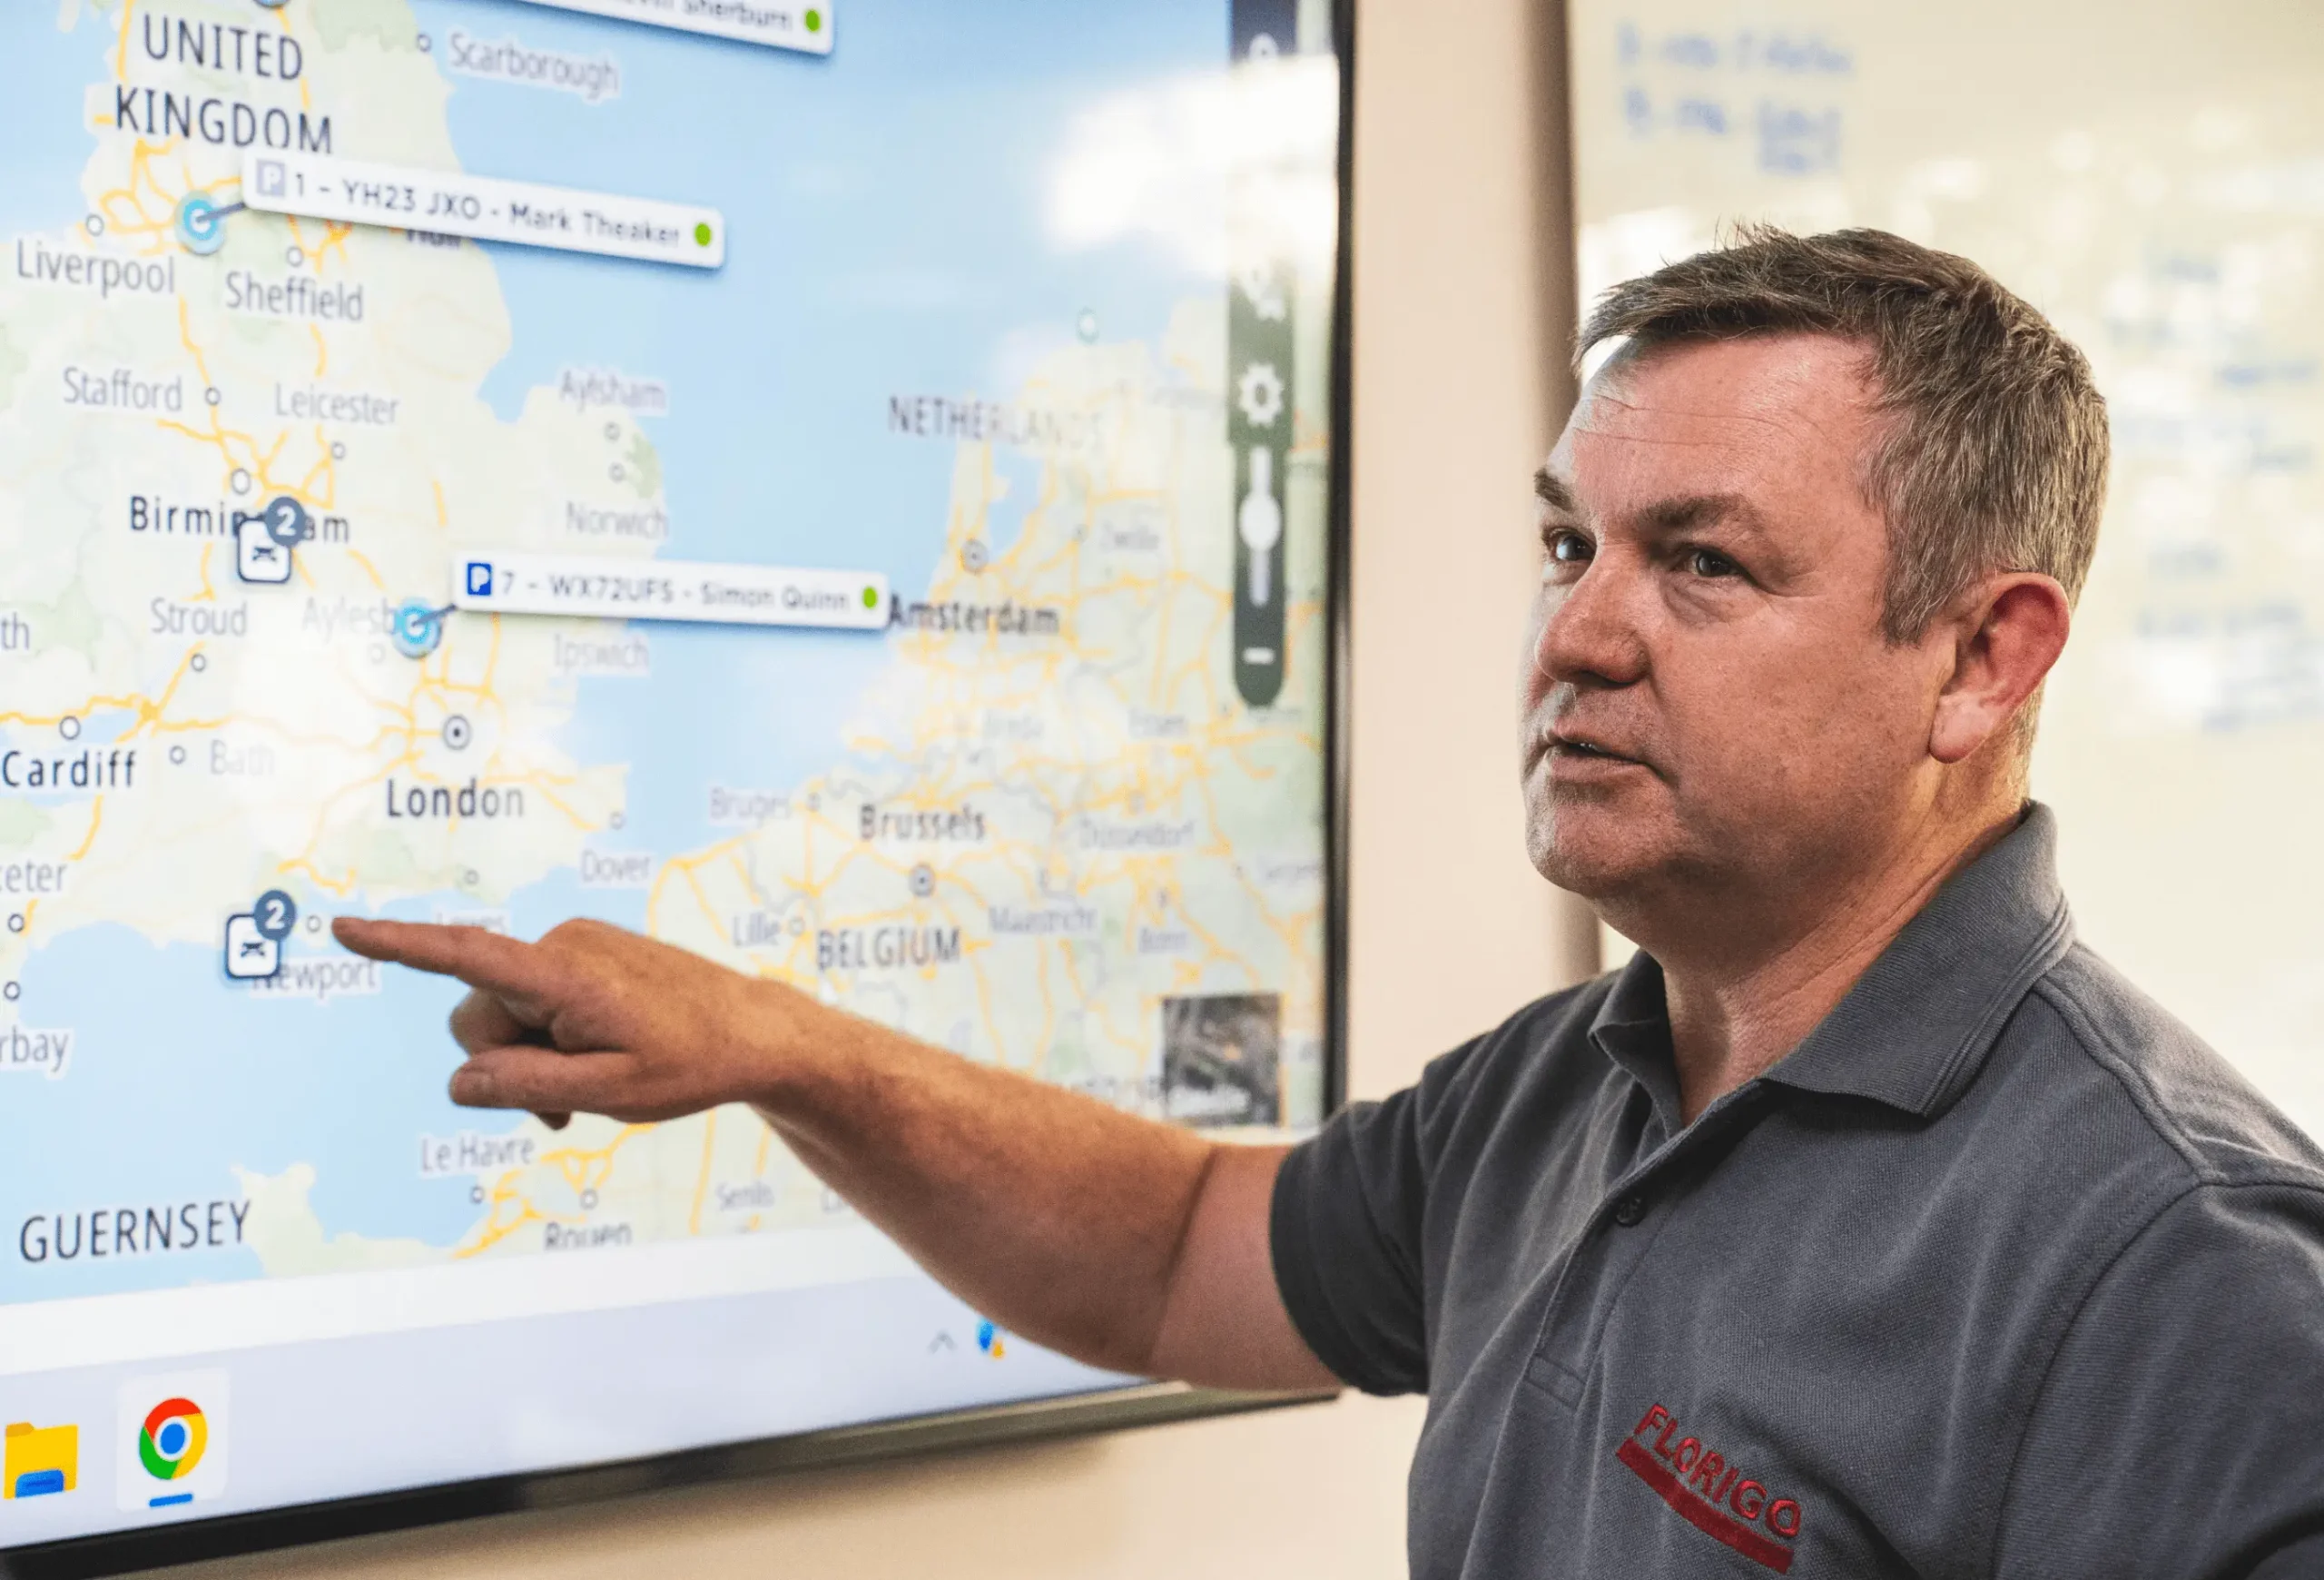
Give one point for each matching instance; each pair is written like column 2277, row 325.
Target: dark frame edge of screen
column 837, row 1447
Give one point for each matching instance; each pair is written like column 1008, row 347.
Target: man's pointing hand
column 1131, row 1245
column 593, row 1018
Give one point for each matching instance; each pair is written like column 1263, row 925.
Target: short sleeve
column 2176, row 1435
column 1345, row 1232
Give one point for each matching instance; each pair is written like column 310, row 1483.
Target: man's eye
column 1710, row 562
column 1569, row 548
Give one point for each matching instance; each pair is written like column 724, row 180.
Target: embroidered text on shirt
column 1697, row 1481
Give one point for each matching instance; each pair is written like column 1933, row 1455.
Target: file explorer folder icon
column 40, row 1459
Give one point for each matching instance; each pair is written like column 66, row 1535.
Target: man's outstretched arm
column 1125, row 1243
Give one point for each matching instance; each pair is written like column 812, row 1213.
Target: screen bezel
column 300, row 1524
column 1070, row 1414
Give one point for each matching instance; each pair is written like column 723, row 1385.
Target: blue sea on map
column 40, row 125
column 887, row 237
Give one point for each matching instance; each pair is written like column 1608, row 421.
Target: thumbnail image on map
column 842, row 490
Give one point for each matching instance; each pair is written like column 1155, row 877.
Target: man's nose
column 1591, row 633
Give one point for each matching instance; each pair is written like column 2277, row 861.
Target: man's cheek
column 1799, row 699
column 1752, row 750
column 1863, row 712
column 1532, row 681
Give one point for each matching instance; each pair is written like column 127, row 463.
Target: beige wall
column 1457, row 344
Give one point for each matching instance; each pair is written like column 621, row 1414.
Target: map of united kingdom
column 1002, row 790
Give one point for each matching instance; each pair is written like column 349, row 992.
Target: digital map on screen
column 805, row 482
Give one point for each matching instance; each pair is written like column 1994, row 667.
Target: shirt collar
column 1632, row 1028
column 1916, row 1027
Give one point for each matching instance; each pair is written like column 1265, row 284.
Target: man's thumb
column 541, row 1080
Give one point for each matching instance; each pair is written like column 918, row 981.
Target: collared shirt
column 2000, row 1272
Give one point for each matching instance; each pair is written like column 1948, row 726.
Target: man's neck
column 1734, row 1017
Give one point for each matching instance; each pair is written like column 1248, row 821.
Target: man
column 1864, row 1225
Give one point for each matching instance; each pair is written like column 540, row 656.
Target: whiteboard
column 2150, row 175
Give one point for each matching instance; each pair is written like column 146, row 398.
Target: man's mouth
column 1576, row 749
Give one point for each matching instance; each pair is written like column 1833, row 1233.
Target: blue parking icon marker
column 479, row 580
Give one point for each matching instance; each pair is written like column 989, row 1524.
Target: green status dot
column 702, row 234
column 814, row 22
column 871, row 594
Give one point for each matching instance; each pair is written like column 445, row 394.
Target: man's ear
column 2006, row 635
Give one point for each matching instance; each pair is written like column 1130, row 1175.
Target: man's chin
column 1595, row 852
column 1591, row 878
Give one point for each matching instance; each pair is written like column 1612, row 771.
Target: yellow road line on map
column 694, row 882
column 379, row 582
column 702, row 1182
column 494, row 1231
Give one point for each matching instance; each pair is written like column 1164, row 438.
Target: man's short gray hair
column 1994, row 456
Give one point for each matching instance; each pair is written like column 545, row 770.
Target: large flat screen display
column 844, row 486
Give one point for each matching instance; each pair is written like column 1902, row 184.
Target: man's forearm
column 1058, row 1216
column 1125, row 1243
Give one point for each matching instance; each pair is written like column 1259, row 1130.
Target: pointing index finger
column 475, row 955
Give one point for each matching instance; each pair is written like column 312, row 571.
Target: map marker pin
column 200, row 224
column 287, row 521
column 417, row 628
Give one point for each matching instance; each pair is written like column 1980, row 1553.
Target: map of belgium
column 1004, row 791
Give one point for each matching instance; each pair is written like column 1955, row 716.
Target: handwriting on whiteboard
column 1769, row 86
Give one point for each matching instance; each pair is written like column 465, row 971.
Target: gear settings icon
column 1260, row 393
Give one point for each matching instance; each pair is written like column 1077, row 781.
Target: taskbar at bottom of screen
column 131, row 1446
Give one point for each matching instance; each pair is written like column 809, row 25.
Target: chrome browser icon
column 172, row 1440
column 170, row 1443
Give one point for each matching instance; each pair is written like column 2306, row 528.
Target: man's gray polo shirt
column 2000, row 1272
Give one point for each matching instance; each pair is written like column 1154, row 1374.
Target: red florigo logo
column 1711, row 1495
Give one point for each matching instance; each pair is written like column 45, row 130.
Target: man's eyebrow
column 1689, row 512
column 1551, row 490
